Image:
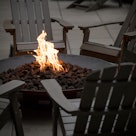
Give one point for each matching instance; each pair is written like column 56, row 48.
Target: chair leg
column 16, row 116
column 120, row 3
column 55, row 116
column 11, row 54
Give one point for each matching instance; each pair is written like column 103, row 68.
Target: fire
column 46, row 55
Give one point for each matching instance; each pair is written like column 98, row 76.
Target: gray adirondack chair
column 96, row 4
column 9, row 106
column 121, row 49
column 107, row 105
column 29, row 18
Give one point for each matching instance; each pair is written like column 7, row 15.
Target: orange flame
column 46, row 55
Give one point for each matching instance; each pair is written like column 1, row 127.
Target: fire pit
column 48, row 64
column 78, row 60
column 71, row 78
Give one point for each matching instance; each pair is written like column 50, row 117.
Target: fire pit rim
column 80, row 60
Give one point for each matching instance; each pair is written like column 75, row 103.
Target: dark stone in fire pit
column 72, row 77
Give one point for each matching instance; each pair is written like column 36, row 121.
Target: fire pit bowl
column 87, row 63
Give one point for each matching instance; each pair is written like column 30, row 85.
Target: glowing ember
column 46, row 55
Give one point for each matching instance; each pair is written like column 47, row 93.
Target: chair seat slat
column 102, row 96
column 31, row 18
column 38, row 14
column 16, row 19
column 46, row 13
column 24, row 24
column 121, row 121
column 96, row 120
column 132, row 121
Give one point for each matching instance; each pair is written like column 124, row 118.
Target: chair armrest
column 10, row 86
column 112, row 47
column 55, row 92
column 63, row 23
column 86, row 30
column 9, row 27
column 101, row 24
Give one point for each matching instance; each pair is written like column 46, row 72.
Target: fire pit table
column 82, row 61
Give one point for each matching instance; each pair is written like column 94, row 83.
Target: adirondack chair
column 9, row 106
column 117, row 52
column 29, row 18
column 93, row 6
column 107, row 105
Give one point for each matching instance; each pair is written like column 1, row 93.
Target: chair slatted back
column 128, row 26
column 30, row 17
column 108, row 103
